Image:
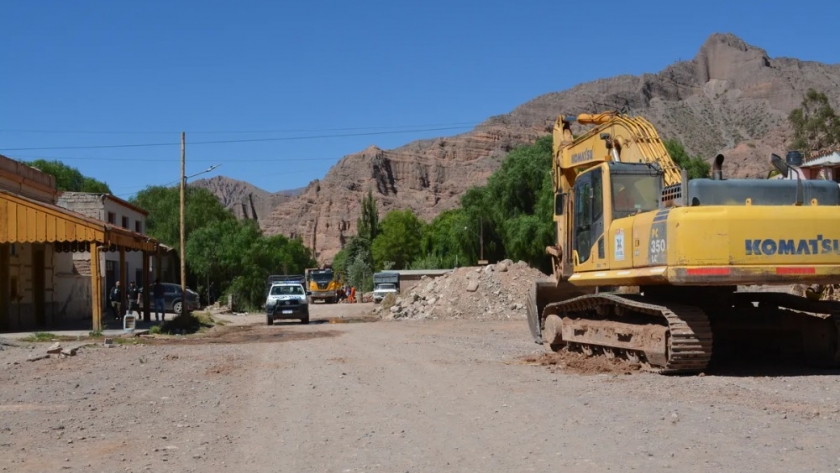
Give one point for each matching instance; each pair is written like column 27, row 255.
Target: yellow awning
column 23, row 220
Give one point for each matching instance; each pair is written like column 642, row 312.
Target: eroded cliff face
column 731, row 98
column 243, row 199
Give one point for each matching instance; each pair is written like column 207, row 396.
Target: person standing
column 133, row 298
column 115, row 297
column 158, row 292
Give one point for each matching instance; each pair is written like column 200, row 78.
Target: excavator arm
column 615, row 137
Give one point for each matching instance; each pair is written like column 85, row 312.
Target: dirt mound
column 494, row 292
column 578, row 363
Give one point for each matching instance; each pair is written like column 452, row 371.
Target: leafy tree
column 695, row 165
column 68, row 178
column 163, row 205
column 399, row 240
column 445, row 243
column 523, row 218
column 237, row 256
column 368, row 222
column 815, row 125
column 354, row 247
column 360, row 273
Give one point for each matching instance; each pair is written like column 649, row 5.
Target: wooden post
column 5, row 286
column 147, row 288
column 183, row 223
column 95, row 287
column 123, row 283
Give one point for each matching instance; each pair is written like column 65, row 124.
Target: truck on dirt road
column 324, row 284
column 384, row 283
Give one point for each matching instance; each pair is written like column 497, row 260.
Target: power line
column 92, row 158
column 250, row 140
column 234, row 132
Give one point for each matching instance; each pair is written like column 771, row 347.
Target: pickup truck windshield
column 286, row 291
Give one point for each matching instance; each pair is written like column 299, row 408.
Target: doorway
column 38, row 286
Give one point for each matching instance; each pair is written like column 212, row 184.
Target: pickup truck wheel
column 305, row 319
column 269, row 320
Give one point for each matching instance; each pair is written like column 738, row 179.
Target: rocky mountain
column 244, row 199
column 731, row 98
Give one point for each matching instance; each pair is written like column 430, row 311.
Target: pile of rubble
column 497, row 291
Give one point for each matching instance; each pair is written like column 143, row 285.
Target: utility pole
column 183, row 224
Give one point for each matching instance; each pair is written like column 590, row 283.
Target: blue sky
column 323, row 79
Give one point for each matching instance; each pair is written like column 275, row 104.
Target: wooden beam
column 123, row 283
column 96, row 287
column 147, row 288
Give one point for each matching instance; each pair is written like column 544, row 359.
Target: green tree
column 70, row 179
column 163, row 205
column 367, row 225
column 695, row 165
column 355, row 247
column 360, row 273
column 815, row 125
column 250, row 257
column 445, row 243
column 399, row 240
column 523, row 190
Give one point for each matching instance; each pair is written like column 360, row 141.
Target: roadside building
column 37, row 242
column 74, row 273
column 823, row 164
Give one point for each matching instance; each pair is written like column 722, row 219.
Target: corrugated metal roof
column 28, row 220
column 828, row 159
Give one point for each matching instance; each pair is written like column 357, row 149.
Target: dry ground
column 417, row 396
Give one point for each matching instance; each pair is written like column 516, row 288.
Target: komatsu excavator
column 647, row 265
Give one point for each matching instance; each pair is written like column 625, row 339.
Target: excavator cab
column 602, row 194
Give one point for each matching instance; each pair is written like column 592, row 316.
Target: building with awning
column 824, row 164
column 35, row 233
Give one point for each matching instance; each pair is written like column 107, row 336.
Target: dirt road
column 395, row 396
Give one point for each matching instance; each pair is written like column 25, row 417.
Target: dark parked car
column 172, row 298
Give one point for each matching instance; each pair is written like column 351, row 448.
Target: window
column 286, row 290
column 125, row 222
column 138, row 227
column 112, row 218
column 558, row 203
column 634, row 193
column 589, row 213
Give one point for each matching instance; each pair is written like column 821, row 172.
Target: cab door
column 588, row 225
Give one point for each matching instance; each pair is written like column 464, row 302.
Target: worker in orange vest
column 352, row 295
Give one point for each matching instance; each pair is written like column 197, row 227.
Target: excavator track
column 687, row 346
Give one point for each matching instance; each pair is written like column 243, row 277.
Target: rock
column 55, row 348
column 472, row 286
column 488, row 269
column 69, row 351
column 502, row 267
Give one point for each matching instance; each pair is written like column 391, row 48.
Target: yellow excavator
column 651, row 267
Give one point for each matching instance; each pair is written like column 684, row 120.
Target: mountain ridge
column 731, row 98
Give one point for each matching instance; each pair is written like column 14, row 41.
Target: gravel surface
column 347, row 395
